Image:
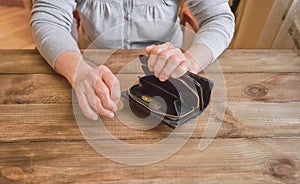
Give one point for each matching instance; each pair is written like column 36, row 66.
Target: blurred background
column 260, row 24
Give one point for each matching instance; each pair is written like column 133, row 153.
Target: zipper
column 127, row 20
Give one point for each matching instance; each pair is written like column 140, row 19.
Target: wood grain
column 29, row 122
column 240, row 87
column 19, row 3
column 263, row 61
column 234, row 160
column 29, row 61
column 34, row 89
column 22, row 61
column 258, row 141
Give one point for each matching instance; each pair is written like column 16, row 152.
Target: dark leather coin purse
column 174, row 101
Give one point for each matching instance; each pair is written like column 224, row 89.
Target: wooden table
column 259, row 140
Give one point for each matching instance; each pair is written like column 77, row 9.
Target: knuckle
column 101, row 111
column 100, row 108
column 106, row 105
column 168, row 44
column 177, row 50
column 105, row 69
column 155, row 50
column 164, row 54
column 100, row 68
column 115, row 80
column 185, row 64
column 159, row 49
column 174, row 59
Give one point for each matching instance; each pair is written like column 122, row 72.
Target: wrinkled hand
column 97, row 90
column 166, row 61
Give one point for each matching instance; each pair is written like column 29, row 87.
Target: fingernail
column 174, row 75
column 162, row 79
column 95, row 117
column 115, row 107
column 111, row 114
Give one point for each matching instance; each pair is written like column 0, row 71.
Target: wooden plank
column 57, row 122
column 269, row 87
column 258, row 142
column 224, row 161
column 29, row 61
column 260, row 61
column 23, row 61
column 240, row 87
column 35, row 88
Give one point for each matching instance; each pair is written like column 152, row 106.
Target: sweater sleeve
column 51, row 23
column 216, row 23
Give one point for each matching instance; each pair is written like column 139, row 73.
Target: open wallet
column 174, row 101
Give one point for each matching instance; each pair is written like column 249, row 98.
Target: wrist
column 70, row 64
column 200, row 57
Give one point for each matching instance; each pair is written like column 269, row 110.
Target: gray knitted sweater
column 127, row 24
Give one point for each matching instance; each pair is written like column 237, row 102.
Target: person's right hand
column 97, row 90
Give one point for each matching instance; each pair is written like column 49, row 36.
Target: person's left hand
column 166, row 61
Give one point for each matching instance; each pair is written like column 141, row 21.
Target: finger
column 151, row 62
column 148, row 49
column 95, row 102
column 159, row 65
column 101, row 110
column 112, row 83
column 180, row 70
column 91, row 96
column 162, row 61
column 169, row 45
column 85, row 107
column 172, row 63
column 103, row 93
column 153, row 59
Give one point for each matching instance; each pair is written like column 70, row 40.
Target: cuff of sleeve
column 214, row 41
column 52, row 45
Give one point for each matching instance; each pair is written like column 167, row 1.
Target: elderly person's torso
column 129, row 24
